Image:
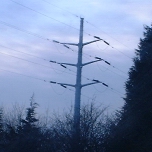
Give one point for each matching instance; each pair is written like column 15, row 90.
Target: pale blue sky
column 119, row 22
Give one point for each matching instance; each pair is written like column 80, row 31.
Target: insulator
column 53, row 61
column 63, row 65
column 52, row 82
column 107, row 62
column 63, row 86
column 98, row 58
column 66, row 46
column 97, row 37
column 106, row 42
column 56, row 41
column 96, row 80
column 105, row 84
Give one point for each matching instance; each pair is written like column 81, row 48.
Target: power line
column 34, row 63
column 38, row 79
column 23, row 75
column 48, row 16
column 61, row 64
column 44, row 15
column 105, row 33
column 86, row 22
column 95, row 58
column 46, row 81
column 93, row 80
column 54, row 41
column 112, row 46
column 74, row 28
column 23, row 53
column 25, row 31
column 46, row 39
column 34, row 78
column 105, row 61
column 28, row 60
column 31, row 33
column 61, row 8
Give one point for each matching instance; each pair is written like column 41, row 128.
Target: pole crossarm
column 84, row 85
column 65, row 43
column 62, row 63
column 91, row 42
column 91, row 62
column 66, row 84
column 70, row 44
column 62, row 84
column 69, row 64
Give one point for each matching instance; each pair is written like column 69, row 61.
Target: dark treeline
column 127, row 130
column 30, row 133
column 133, row 132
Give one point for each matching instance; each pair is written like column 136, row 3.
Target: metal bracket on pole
column 63, row 84
column 63, row 63
column 70, row 44
column 71, row 85
column 91, row 62
column 65, row 43
column 84, row 85
column 91, row 42
column 69, row 64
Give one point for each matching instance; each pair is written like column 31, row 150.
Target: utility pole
column 78, row 86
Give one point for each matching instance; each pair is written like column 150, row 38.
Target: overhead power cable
column 61, row 64
column 61, row 8
column 40, row 79
column 107, row 43
column 31, row 33
column 35, row 57
column 105, row 33
column 44, row 15
column 94, row 80
column 23, row 75
column 25, row 31
column 23, row 52
column 45, row 39
column 46, row 81
column 105, row 61
column 84, row 20
column 35, row 63
column 71, row 27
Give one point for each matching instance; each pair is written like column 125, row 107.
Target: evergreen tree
column 133, row 133
column 1, row 121
column 137, row 111
column 29, row 123
column 27, row 133
column 2, row 132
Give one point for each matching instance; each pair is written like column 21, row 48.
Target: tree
column 137, row 111
column 29, row 132
column 29, row 122
column 2, row 132
column 134, row 130
column 25, row 135
column 92, row 126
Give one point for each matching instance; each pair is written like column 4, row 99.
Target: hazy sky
column 27, row 30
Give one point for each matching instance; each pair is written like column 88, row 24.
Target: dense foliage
column 24, row 133
column 133, row 133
